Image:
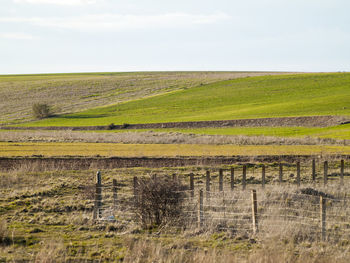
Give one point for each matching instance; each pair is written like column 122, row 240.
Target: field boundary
column 304, row 121
column 86, row 163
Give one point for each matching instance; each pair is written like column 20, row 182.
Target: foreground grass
column 45, row 216
column 8, row 149
column 255, row 97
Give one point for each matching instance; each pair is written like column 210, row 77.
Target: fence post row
column 200, row 209
column 298, row 173
column 207, row 185
column 254, row 212
column 244, row 176
column 232, row 178
column 221, row 180
column 115, row 194
column 263, row 176
column 325, row 173
column 341, row 172
column 98, row 197
column 192, row 184
column 280, row 173
column 323, row 217
column 136, row 183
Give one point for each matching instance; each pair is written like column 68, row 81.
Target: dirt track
column 306, row 121
column 82, row 163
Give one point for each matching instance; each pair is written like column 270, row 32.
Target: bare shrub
column 41, row 110
column 159, row 201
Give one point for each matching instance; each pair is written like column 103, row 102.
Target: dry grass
column 151, row 137
column 10, row 149
column 51, row 215
column 75, row 92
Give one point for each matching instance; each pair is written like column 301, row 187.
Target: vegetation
column 41, row 110
column 48, row 216
column 254, row 97
column 159, row 201
column 76, row 92
column 162, row 150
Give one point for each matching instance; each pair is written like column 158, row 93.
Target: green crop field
column 69, row 93
column 253, row 97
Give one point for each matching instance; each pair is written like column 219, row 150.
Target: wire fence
column 312, row 212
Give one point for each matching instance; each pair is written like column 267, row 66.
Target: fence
column 315, row 212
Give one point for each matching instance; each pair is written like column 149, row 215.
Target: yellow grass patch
column 8, row 149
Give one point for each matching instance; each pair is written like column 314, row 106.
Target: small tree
column 41, row 110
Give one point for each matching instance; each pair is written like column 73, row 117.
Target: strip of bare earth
column 86, row 163
column 304, row 121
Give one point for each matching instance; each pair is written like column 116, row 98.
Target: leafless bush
column 41, row 110
column 159, row 201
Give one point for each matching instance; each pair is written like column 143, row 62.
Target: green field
column 69, row 93
column 253, row 97
column 340, row 132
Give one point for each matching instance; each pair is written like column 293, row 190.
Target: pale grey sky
column 39, row 36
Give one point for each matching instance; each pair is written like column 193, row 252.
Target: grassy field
column 69, row 93
column 8, row 149
column 341, row 132
column 253, row 97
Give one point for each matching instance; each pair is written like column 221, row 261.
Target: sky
column 54, row 36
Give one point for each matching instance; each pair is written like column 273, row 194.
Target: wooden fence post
column 325, row 173
column 207, row 185
column 323, row 217
column 244, row 177
column 313, row 170
column 280, row 178
column 136, row 184
column 115, row 194
column 341, row 172
column 298, row 173
column 98, row 197
column 192, row 184
column 263, row 176
column 200, row 209
column 221, row 180
column 254, row 212
column 232, row 178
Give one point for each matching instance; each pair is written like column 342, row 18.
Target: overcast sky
column 39, row 36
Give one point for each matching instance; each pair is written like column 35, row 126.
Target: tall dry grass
column 151, row 137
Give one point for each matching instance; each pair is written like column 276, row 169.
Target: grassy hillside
column 254, row 97
column 69, row 93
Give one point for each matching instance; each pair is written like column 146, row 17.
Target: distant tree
column 41, row 110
